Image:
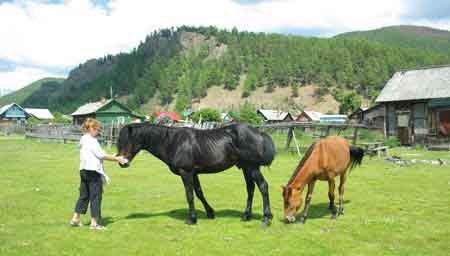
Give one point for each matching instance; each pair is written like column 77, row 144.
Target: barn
column 13, row 113
column 106, row 111
column 372, row 116
column 417, row 105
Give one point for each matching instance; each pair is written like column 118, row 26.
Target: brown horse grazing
column 324, row 160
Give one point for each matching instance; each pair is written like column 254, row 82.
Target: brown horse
column 324, row 160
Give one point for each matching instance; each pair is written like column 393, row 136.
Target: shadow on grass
column 181, row 214
column 107, row 220
column 317, row 211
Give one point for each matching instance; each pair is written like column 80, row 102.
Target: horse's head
column 128, row 144
column 292, row 202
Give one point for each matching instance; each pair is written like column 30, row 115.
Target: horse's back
column 255, row 148
column 335, row 153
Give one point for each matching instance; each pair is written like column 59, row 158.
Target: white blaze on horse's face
column 292, row 202
column 290, row 219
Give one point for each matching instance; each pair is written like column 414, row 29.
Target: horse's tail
column 269, row 150
column 356, row 156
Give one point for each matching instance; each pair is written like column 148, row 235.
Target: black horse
column 189, row 152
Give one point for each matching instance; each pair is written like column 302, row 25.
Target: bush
column 392, row 142
column 368, row 135
column 206, row 115
column 247, row 114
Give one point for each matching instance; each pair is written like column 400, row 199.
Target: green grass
column 389, row 210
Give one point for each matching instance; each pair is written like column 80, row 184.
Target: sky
column 41, row 38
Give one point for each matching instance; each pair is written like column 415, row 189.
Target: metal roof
column 273, row 115
column 40, row 113
column 314, row 115
column 172, row 115
column 424, row 83
column 6, row 107
column 90, row 108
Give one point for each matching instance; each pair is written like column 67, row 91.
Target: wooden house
column 13, row 113
column 274, row 116
column 417, row 105
column 109, row 112
column 373, row 116
column 309, row 116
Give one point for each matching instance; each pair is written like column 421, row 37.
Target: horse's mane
column 302, row 162
column 143, row 130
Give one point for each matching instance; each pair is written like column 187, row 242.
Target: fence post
column 295, row 141
column 327, row 132
column 289, row 137
column 355, row 136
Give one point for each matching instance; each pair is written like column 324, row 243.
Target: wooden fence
column 7, row 129
column 284, row 134
column 108, row 134
column 288, row 130
column 69, row 133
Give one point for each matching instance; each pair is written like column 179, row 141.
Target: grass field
column 389, row 210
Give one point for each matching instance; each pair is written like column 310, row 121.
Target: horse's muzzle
column 124, row 165
column 290, row 219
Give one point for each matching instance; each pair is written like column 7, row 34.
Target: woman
column 92, row 174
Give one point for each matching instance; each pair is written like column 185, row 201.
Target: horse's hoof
column 246, row 216
column 190, row 221
column 341, row 213
column 333, row 216
column 302, row 220
column 210, row 215
column 266, row 222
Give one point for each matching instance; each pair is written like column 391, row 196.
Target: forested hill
column 406, row 36
column 176, row 67
column 32, row 92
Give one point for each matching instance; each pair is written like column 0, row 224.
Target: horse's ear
column 283, row 187
column 289, row 190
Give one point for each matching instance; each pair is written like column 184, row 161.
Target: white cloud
column 21, row 76
column 47, row 35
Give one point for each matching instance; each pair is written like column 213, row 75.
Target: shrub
column 206, row 115
column 247, row 114
column 368, row 135
column 392, row 142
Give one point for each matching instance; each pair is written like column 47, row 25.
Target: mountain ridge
column 177, row 68
column 418, row 37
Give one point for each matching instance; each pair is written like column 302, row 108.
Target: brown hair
column 91, row 123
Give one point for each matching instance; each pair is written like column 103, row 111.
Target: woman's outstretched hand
column 121, row 160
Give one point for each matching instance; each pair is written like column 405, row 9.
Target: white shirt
column 91, row 155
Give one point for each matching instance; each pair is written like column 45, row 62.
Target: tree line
column 159, row 66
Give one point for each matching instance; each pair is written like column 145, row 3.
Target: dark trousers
column 91, row 189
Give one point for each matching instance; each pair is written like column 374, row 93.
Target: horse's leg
column 198, row 191
column 188, row 181
column 341, row 195
column 332, row 207
column 250, row 191
column 307, row 201
column 258, row 178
